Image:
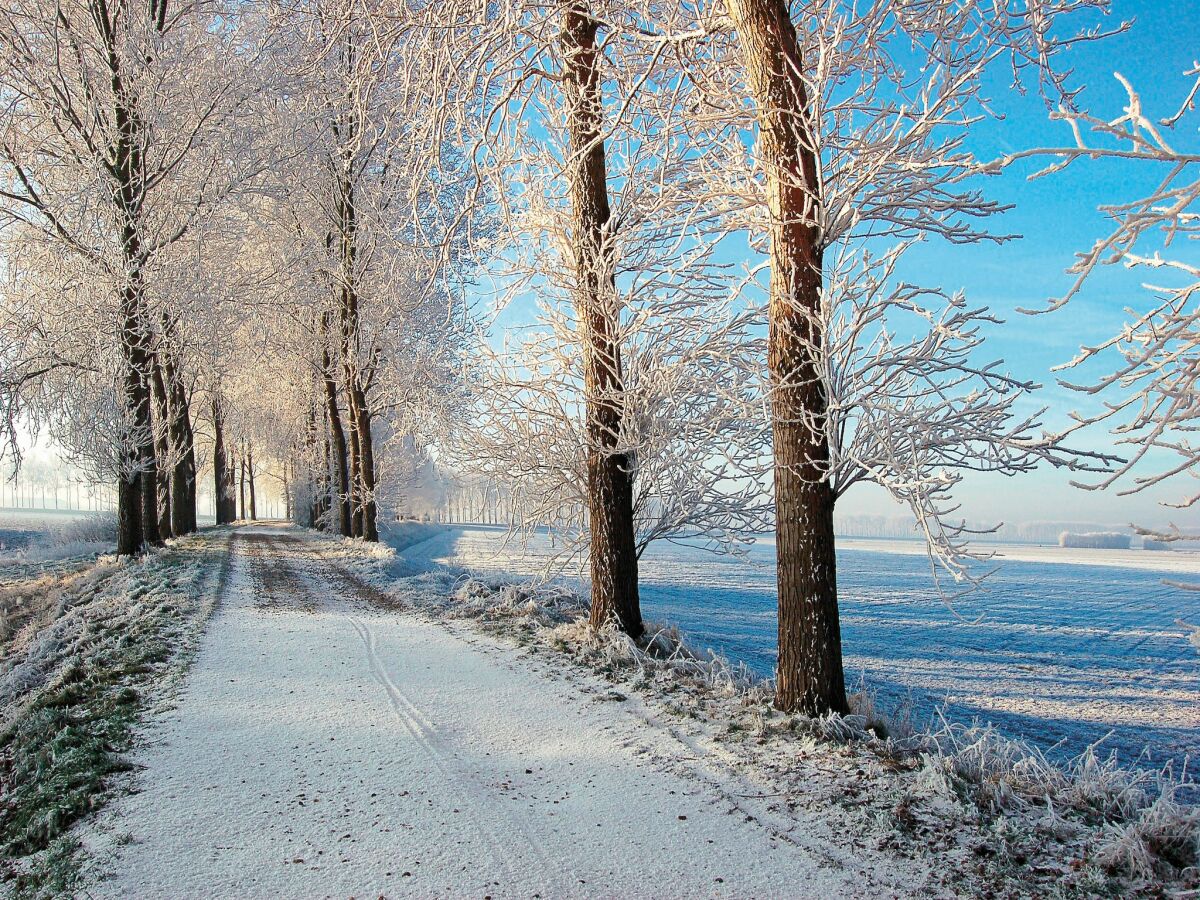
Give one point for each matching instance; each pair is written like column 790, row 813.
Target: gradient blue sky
column 1055, row 218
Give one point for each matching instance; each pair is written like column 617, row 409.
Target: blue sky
column 1055, row 218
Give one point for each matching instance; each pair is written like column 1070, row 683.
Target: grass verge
column 74, row 693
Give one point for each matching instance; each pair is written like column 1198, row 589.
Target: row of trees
column 110, row 161
column 208, row 247
column 616, row 145
column 278, row 232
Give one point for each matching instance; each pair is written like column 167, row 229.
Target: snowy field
column 21, row 527
column 49, row 531
column 1064, row 652
column 1169, row 564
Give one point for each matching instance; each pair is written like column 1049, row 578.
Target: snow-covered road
column 326, row 747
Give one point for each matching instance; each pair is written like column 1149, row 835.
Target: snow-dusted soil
column 323, row 746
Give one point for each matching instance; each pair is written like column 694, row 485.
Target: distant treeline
column 903, row 528
column 1095, row 540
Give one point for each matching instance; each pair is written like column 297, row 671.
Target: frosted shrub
column 78, row 537
column 895, row 724
column 1165, row 831
column 1095, row 540
column 95, row 529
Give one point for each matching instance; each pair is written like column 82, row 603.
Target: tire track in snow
column 278, row 566
column 425, row 733
column 278, row 570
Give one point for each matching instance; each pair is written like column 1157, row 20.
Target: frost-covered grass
column 984, row 808
column 404, row 534
column 1059, row 655
column 32, row 598
column 74, row 680
column 82, row 536
column 57, row 546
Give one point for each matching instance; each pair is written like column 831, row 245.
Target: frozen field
column 1063, row 653
column 20, row 527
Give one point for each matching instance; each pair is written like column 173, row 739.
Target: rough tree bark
column 183, row 447
column 222, row 473
column 809, row 676
column 140, row 492
column 614, row 562
column 362, row 465
column 129, row 515
column 310, row 510
column 250, row 482
column 137, row 517
column 325, row 502
column 355, row 474
column 318, row 488
column 360, row 413
column 241, row 463
column 162, row 448
column 337, row 436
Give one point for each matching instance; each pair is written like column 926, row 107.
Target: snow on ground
column 30, row 539
column 1060, row 655
column 1179, row 562
column 87, row 646
column 323, row 747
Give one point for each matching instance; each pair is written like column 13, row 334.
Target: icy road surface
column 324, row 747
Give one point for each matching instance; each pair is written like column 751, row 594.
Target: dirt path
column 326, row 747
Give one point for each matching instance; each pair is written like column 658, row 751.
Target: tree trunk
column 809, row 676
column 609, row 472
column 361, row 412
column 138, row 394
column 321, row 501
column 338, row 436
column 137, row 492
column 141, row 492
column 242, row 484
column 183, row 446
column 226, row 510
column 362, row 457
column 325, row 500
column 287, row 495
column 355, row 477
column 250, row 479
column 306, row 504
column 129, row 516
column 162, row 448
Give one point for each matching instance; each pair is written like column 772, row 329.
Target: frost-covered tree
column 353, row 211
column 693, row 423
column 860, row 115
column 627, row 413
column 116, row 136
